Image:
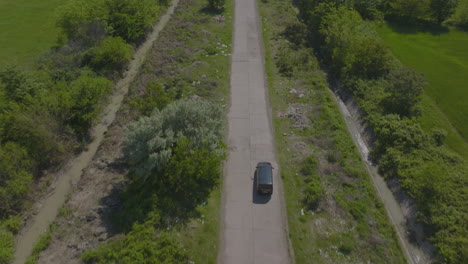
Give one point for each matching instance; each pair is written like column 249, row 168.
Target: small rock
column 90, row 218
column 101, row 165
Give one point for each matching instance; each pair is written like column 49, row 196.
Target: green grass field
column 27, row 29
column 442, row 55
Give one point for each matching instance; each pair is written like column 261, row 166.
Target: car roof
column 264, row 173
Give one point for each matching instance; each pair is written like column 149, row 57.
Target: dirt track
column 253, row 226
column 71, row 173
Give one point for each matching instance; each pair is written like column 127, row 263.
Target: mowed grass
column 27, row 29
column 442, row 55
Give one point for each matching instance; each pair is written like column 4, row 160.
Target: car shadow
column 256, row 197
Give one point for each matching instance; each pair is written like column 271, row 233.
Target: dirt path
column 71, row 173
column 399, row 214
column 254, row 228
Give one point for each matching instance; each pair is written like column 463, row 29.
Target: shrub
column 78, row 17
column 148, row 142
column 216, row 4
column 86, row 93
column 129, row 19
column 439, row 135
column 313, row 192
column 405, row 87
column 403, row 134
column 6, row 246
column 34, row 129
column 410, row 9
column 141, row 245
column 15, row 178
column 17, row 84
column 442, row 9
column 460, row 17
column 353, row 48
column 154, row 96
column 177, row 151
column 111, row 56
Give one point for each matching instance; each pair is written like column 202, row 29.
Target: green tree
column 410, row 9
column 460, row 17
column 405, row 87
column 111, row 56
column 76, row 17
column 442, row 9
column 17, row 84
column 129, row 19
column 86, row 93
column 148, row 143
column 7, row 242
column 155, row 96
column 15, row 178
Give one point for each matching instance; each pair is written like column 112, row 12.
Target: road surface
column 253, row 226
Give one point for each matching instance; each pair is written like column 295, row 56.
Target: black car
column 264, row 178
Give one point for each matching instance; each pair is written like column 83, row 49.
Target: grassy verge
column 443, row 58
column 27, row 29
column 333, row 211
column 41, row 245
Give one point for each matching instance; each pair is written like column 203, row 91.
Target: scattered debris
column 219, row 18
column 297, row 115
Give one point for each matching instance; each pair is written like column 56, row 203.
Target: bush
column 405, row 87
column 216, row 4
column 141, row 245
column 86, row 94
column 17, row 84
column 34, row 129
column 6, row 246
column 77, row 18
column 177, row 151
column 410, row 9
column 460, row 17
column 442, row 9
column 353, row 48
column 403, row 134
column 313, row 192
column 111, row 56
column 154, row 96
column 129, row 19
column 15, row 178
column 148, row 142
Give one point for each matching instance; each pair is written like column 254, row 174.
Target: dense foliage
column 389, row 94
column 407, row 11
column 177, row 151
column 46, row 113
column 142, row 245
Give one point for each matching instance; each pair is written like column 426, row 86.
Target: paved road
column 254, row 227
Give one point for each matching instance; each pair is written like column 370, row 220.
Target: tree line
column 46, row 114
column 452, row 12
column 362, row 65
